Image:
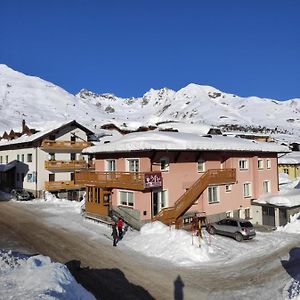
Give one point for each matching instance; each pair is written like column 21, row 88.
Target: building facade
column 231, row 171
column 45, row 160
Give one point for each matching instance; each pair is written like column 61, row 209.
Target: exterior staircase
column 170, row 215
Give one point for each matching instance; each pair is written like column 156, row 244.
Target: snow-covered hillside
column 36, row 100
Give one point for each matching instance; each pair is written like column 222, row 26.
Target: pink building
column 175, row 163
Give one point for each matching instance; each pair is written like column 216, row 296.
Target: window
column 133, row 165
column 72, row 156
column 243, row 164
column 266, row 186
column 201, row 165
column 29, row 157
column 18, row 157
column 51, row 156
column 23, row 158
column 247, row 213
column 110, row 165
column 126, row 198
column 1, row 159
column 228, row 214
column 228, row 188
column 164, row 164
column 29, row 177
column 164, row 197
column 286, row 171
column 260, row 164
column 213, row 194
column 6, row 158
column 51, row 177
column 247, row 189
column 268, row 164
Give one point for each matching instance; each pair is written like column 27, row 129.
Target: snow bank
column 160, row 241
column 293, row 226
column 57, row 203
column 286, row 184
column 36, row 277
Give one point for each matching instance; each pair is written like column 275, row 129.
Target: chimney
column 23, row 126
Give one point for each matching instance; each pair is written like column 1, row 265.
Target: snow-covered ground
column 21, row 276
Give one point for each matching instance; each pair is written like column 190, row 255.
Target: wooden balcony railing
column 61, row 165
column 170, row 215
column 64, row 146
column 128, row 180
column 62, row 185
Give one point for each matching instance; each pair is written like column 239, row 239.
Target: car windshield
column 246, row 224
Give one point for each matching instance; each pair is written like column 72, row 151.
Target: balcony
column 138, row 181
column 64, row 146
column 62, row 185
column 65, row 166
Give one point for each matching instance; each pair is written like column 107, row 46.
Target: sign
column 152, row 180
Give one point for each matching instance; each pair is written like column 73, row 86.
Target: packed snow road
column 258, row 269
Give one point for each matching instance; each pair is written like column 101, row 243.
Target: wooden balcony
column 62, row 185
column 64, row 166
column 127, row 180
column 64, row 146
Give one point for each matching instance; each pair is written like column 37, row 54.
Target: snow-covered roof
column 289, row 198
column 292, row 158
column 185, row 127
column 160, row 140
column 48, row 128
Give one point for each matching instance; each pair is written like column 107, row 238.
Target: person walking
column 120, row 227
column 114, row 234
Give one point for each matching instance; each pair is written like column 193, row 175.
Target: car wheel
column 212, row 230
column 238, row 237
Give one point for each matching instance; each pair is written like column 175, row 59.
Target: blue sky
column 127, row 47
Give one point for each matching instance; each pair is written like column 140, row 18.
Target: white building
column 45, row 160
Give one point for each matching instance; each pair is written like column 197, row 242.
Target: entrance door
column 268, row 214
column 159, row 201
column 282, row 217
column 155, row 203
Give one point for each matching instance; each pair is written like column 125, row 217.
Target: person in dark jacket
column 114, row 234
column 120, row 228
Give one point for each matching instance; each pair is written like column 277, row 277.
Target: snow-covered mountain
column 36, row 100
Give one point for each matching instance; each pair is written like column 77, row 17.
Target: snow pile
column 293, row 226
column 160, row 241
column 286, row 183
column 36, row 277
column 58, row 203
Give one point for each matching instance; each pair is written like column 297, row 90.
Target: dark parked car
column 239, row 229
column 21, row 195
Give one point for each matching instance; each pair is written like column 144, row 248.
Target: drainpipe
column 36, row 168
